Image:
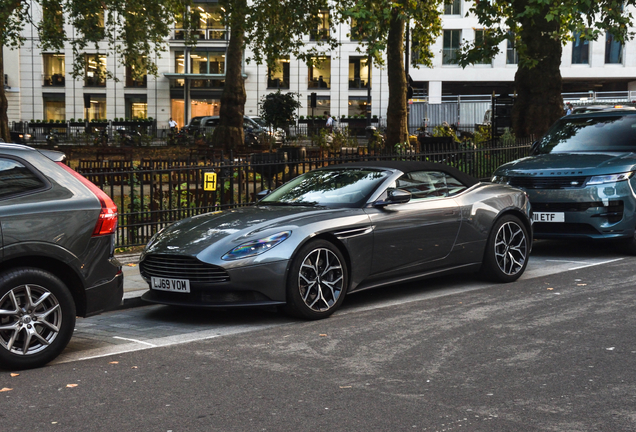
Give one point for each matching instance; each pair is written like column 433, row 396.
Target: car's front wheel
column 37, row 318
column 317, row 281
column 506, row 256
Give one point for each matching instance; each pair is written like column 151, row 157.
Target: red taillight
column 107, row 222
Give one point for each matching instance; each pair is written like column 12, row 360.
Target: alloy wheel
column 511, row 248
column 30, row 319
column 321, row 279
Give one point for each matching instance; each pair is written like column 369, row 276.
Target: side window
column 15, row 178
column 423, row 184
column 430, row 184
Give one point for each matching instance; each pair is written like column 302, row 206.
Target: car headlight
column 256, row 247
column 612, row 178
column 500, row 179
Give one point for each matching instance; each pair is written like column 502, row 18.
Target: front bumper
column 596, row 212
column 257, row 285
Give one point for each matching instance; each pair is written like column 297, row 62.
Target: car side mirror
column 394, row 196
column 262, row 194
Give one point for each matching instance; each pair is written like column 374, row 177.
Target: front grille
column 542, row 228
column 548, row 182
column 179, row 267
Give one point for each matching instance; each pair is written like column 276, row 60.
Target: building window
column 207, row 62
column 357, row 34
column 136, row 74
column 53, row 67
column 136, row 106
column 320, row 73
column 358, row 105
column 580, row 49
column 323, row 105
column 452, row 7
column 95, row 73
column 278, row 77
column 95, row 107
column 613, row 50
column 179, row 61
column 358, row 72
column 322, row 31
column 512, row 56
column 207, row 22
column 451, row 46
column 54, row 107
column 480, row 36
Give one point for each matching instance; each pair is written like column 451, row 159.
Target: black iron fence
column 151, row 194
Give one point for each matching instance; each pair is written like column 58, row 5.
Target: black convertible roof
column 410, row 166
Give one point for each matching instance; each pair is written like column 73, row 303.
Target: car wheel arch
column 331, row 239
column 58, row 268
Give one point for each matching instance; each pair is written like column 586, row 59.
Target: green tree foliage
column 382, row 23
column 279, row 109
column 271, row 28
column 539, row 29
column 132, row 30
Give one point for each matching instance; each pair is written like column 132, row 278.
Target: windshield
column 611, row 133
column 344, row 187
column 259, row 121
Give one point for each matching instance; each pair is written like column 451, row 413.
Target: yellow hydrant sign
column 209, row 181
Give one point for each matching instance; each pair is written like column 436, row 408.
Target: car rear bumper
column 106, row 296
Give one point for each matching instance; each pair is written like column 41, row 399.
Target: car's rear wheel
column 37, row 318
column 317, row 281
column 506, row 256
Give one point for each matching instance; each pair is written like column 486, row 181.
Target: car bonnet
column 570, row 164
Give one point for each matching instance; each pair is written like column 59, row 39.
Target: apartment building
column 190, row 81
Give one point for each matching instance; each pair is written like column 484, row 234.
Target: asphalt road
column 554, row 351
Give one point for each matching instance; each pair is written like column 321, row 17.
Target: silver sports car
column 337, row 230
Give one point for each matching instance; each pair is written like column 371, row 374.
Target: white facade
column 32, row 95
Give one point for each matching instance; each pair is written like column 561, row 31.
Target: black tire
column 629, row 245
column 32, row 333
column 317, row 281
column 506, row 255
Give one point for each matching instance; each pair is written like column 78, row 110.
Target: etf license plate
column 548, row 217
column 173, row 285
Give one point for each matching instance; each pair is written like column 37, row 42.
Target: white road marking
column 135, row 340
column 595, row 264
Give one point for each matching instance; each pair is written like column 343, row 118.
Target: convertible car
column 337, row 230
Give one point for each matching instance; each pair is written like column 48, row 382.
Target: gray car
column 56, row 254
column 338, row 230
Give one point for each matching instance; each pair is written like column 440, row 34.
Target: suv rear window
column 598, row 133
column 15, row 178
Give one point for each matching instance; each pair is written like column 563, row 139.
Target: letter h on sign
column 209, row 181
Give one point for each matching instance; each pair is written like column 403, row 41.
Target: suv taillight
column 107, row 221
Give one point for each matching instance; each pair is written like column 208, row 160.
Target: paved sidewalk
column 134, row 285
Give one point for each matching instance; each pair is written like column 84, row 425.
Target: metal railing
column 151, row 194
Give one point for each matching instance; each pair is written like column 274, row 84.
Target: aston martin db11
column 338, row 230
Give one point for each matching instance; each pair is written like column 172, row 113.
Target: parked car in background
column 278, row 134
column 20, row 137
column 205, row 125
column 580, row 178
column 595, row 108
column 337, row 230
column 56, row 254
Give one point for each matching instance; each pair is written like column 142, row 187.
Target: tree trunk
column 229, row 133
column 396, row 123
column 539, row 102
column 4, row 105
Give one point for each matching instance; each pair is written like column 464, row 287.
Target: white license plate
column 173, row 285
column 548, row 217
